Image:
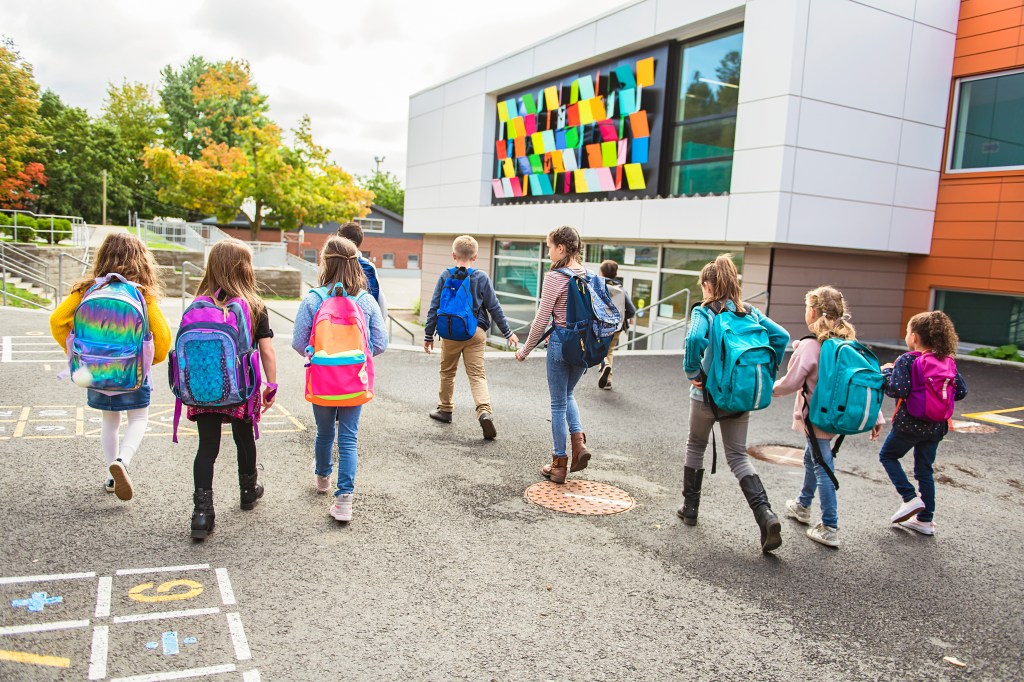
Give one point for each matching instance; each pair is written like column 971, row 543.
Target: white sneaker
column 108, row 485
column 341, row 510
column 908, row 509
column 922, row 527
column 795, row 510
column 323, row 484
column 826, row 535
column 122, row 482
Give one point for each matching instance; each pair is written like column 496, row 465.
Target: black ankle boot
column 692, row 479
column 250, row 490
column 767, row 521
column 202, row 514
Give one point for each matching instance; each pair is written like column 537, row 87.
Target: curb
column 972, row 358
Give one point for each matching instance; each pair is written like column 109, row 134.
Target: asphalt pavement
column 448, row 572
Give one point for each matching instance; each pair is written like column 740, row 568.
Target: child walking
column 627, row 311
column 354, row 233
column 921, row 380
column 340, row 275
column 565, row 249
column 720, row 284
column 827, row 317
column 230, row 275
column 474, row 312
column 121, row 255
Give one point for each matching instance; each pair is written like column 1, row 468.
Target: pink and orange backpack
column 340, row 368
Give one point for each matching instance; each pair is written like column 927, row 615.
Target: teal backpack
column 739, row 362
column 848, row 395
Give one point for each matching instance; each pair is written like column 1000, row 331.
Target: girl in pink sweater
column 827, row 316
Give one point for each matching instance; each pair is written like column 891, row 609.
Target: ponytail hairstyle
column 569, row 238
column 127, row 255
column 339, row 262
column 229, row 270
column 724, row 279
column 833, row 319
column 937, row 333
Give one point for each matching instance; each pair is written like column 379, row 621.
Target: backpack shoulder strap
column 321, row 292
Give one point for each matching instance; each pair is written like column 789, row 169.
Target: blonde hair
column 833, row 319
column 568, row 237
column 128, row 256
column 229, row 270
column 937, row 333
column 339, row 262
column 724, row 279
column 465, row 247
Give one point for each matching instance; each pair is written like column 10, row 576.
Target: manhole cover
column 580, row 497
column 777, row 454
column 972, row 427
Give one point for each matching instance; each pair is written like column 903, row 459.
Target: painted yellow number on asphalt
column 163, row 591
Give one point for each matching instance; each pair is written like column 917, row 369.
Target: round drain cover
column 589, row 498
column 777, row 454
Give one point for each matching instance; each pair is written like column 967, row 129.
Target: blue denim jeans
column 815, row 477
column 562, row 379
column 347, row 421
column 899, row 444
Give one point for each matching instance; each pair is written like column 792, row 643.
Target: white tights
column 132, row 434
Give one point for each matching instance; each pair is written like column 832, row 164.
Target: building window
column 387, row 260
column 680, row 272
column 371, row 224
column 517, row 274
column 986, row 319
column 704, row 128
column 413, row 261
column 309, row 254
column 988, row 132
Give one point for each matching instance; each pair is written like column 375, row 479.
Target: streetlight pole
column 103, row 220
column 379, row 160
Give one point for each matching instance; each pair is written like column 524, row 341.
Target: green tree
column 387, row 190
column 175, row 92
column 21, row 174
column 130, row 109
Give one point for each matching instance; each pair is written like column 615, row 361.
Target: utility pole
column 379, row 160
column 103, row 221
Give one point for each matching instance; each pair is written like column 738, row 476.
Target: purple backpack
column 214, row 362
column 932, row 387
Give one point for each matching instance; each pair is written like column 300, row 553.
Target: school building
column 807, row 137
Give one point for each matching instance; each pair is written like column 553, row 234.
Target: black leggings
column 209, row 447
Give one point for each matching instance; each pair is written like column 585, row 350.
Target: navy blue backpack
column 456, row 320
column 591, row 320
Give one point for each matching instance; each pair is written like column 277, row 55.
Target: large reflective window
column 990, row 123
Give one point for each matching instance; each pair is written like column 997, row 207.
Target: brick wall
column 377, row 246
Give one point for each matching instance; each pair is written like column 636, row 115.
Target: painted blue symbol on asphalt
column 37, row 602
column 170, row 643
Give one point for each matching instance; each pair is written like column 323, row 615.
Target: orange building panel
column 990, row 22
column 964, row 230
column 975, row 8
column 953, row 192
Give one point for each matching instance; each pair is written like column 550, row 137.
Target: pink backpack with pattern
column 932, row 387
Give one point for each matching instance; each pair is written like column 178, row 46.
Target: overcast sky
column 350, row 64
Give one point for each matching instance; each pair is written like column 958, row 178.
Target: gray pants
column 734, row 439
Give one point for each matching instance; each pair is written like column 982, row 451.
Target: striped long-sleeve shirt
column 553, row 302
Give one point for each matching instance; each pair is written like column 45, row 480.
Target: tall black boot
column 250, row 490
column 202, row 514
column 767, row 521
column 692, row 479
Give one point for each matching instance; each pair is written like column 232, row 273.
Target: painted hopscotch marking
column 169, row 640
column 179, row 674
column 165, row 569
column 164, row 591
column 1000, row 417
column 227, row 595
column 43, row 627
column 103, row 590
column 33, row 350
column 166, row 615
column 34, row 659
column 242, row 652
column 37, row 602
column 45, row 578
column 98, row 654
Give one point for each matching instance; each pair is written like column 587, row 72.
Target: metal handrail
column 60, row 272
column 675, row 325
column 667, row 298
column 44, row 272
column 393, row 321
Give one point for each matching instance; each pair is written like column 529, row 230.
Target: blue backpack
column 371, row 277
column 456, row 320
column 848, row 395
column 739, row 362
column 591, row 320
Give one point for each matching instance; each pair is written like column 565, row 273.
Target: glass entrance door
column 640, row 288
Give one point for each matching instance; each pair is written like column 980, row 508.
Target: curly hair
column 936, row 332
column 833, row 319
column 568, row 237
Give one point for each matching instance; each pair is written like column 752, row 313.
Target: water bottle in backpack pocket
column 110, row 347
column 340, row 369
column 849, row 392
column 932, row 387
column 455, row 318
column 739, row 362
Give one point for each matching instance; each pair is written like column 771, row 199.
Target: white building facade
column 803, row 136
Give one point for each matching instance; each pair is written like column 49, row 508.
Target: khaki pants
column 472, row 354
column 615, row 341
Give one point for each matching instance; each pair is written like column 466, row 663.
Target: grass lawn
column 18, row 291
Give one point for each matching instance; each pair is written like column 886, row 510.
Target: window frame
column 954, row 117
column 362, row 222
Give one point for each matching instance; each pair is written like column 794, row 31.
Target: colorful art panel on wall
column 591, row 132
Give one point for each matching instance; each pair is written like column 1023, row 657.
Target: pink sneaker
column 341, row 510
column 323, row 484
column 922, row 527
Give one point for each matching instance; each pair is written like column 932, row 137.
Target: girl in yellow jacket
column 125, row 255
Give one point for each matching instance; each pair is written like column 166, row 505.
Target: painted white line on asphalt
column 242, row 652
column 164, row 569
column 184, row 613
column 605, row 500
column 227, row 595
column 98, row 658
column 251, row 676
column 6, row 353
column 43, row 627
column 44, row 578
column 179, row 674
column 103, row 597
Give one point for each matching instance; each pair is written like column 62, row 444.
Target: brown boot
column 580, row 454
column 555, row 471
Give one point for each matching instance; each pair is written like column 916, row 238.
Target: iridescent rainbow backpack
column 110, row 347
